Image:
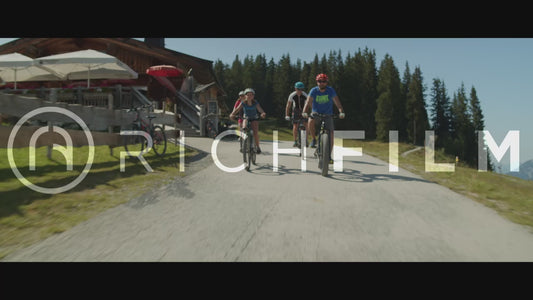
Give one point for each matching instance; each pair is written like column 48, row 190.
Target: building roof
column 136, row 54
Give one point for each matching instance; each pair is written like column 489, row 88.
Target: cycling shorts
column 328, row 124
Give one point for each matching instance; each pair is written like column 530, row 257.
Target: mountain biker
column 320, row 100
column 239, row 100
column 250, row 108
column 296, row 101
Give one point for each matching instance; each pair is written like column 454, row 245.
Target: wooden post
column 201, row 117
column 176, row 124
column 164, row 112
column 79, row 95
column 118, row 93
column 53, row 99
column 110, row 106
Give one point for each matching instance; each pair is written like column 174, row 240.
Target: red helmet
column 322, row 77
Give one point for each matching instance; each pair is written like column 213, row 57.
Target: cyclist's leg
column 311, row 127
column 312, row 130
column 307, row 133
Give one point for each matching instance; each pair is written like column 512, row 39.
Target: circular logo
column 21, row 178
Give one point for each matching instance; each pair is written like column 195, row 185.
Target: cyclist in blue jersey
column 251, row 109
column 320, row 100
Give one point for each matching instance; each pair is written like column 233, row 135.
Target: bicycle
column 156, row 132
column 300, row 127
column 210, row 126
column 323, row 149
column 248, row 147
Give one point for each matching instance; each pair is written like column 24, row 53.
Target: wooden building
column 198, row 82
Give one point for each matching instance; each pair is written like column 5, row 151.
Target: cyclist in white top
column 296, row 102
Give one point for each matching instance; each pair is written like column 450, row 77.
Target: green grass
column 27, row 216
column 510, row 196
column 267, row 127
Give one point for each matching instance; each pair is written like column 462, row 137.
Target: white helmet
column 249, row 90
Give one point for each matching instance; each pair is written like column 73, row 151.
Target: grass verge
column 510, row 196
column 27, row 216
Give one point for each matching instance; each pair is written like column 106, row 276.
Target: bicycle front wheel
column 159, row 140
column 324, row 141
column 249, row 152
column 244, row 148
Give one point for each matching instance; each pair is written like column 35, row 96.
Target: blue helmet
column 299, row 85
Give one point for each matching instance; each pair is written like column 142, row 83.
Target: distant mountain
column 526, row 171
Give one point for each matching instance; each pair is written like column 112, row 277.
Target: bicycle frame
column 323, row 161
column 301, row 127
column 155, row 131
column 248, row 145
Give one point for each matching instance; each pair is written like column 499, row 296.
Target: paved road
column 364, row 213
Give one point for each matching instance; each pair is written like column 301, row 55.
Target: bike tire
column 324, row 153
column 133, row 143
column 244, row 148
column 159, row 140
column 299, row 141
column 249, row 150
column 211, row 131
column 254, row 155
column 318, row 151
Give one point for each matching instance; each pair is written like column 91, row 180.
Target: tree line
column 375, row 99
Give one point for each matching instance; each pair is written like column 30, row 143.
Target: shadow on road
column 350, row 175
column 357, row 176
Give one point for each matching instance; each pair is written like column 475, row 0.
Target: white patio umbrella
column 86, row 64
column 15, row 67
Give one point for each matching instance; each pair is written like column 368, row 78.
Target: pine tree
column 283, row 85
column 220, row 69
column 268, row 105
column 403, row 114
column 416, row 109
column 478, row 122
column 258, row 76
column 388, row 101
column 348, row 88
column 475, row 111
column 369, row 93
column 305, row 74
column 440, row 113
column 463, row 132
column 234, row 80
column 315, row 70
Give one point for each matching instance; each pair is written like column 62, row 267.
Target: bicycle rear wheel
column 159, row 140
column 133, row 143
column 324, row 155
column 211, row 130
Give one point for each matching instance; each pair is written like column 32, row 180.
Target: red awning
column 164, row 71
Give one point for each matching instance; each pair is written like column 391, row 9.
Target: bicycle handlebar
column 139, row 107
column 253, row 119
column 315, row 114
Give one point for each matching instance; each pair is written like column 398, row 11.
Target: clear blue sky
column 501, row 69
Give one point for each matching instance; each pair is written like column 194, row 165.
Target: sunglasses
column 321, row 81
